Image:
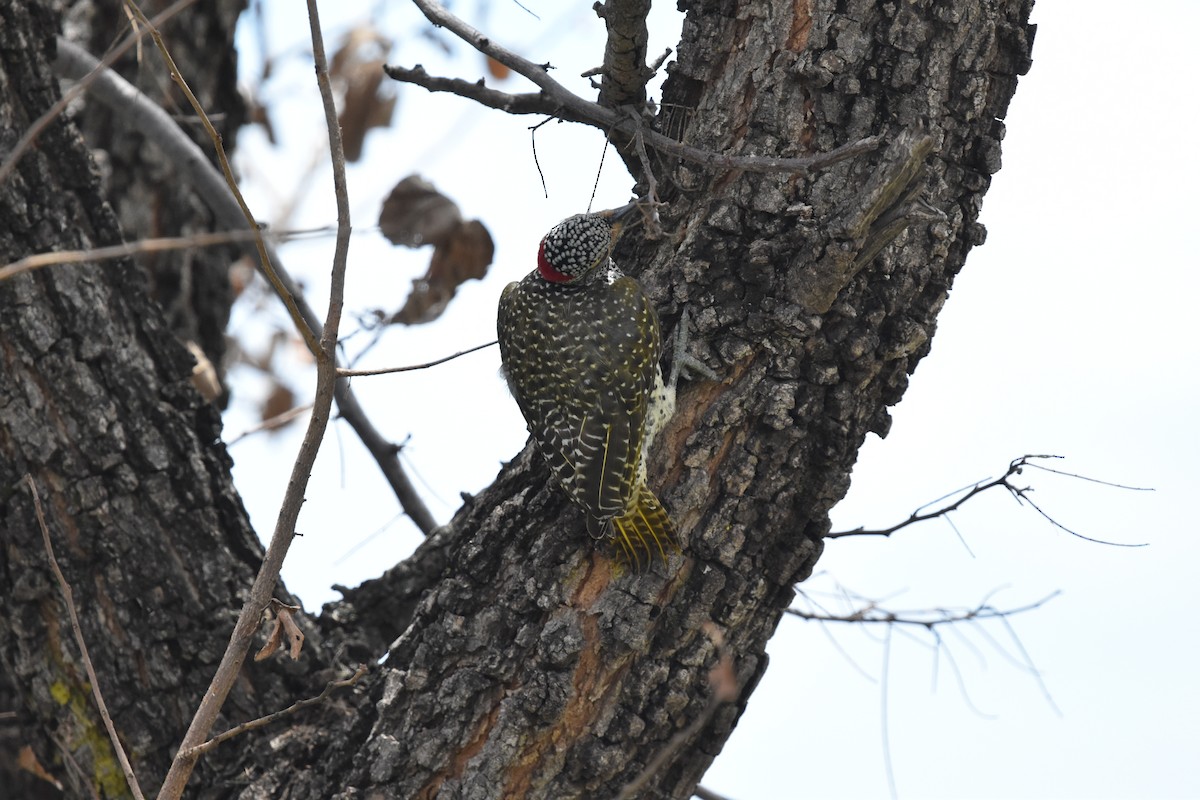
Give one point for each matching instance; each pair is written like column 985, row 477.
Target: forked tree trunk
column 521, row 667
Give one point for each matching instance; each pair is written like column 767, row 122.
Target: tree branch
column 299, row 705
column 135, row 109
column 264, row 257
column 350, row 373
column 526, row 103
column 928, row 618
column 285, row 527
column 576, row 108
column 1020, row 493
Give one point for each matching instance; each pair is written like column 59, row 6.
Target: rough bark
column 519, row 665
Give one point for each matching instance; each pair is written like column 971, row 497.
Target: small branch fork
column 1019, row 493
column 299, row 705
column 558, row 101
column 285, row 528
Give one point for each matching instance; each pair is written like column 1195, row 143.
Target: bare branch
column 578, row 109
column 639, row 142
column 135, row 109
column 285, row 526
column 883, row 715
column 658, row 62
column 1021, row 494
column 68, row 597
column 165, row 244
column 928, row 618
column 526, row 103
column 350, row 373
column 270, row 424
column 299, row 705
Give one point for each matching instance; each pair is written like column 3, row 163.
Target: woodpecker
column 581, row 344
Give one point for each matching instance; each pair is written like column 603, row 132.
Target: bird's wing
column 611, row 403
column 589, row 418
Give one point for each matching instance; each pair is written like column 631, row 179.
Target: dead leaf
column 357, row 69
column 204, row 374
column 464, row 255
column 28, row 761
column 280, row 400
column 285, row 627
column 496, row 69
column 364, row 106
column 256, row 114
column 416, row 214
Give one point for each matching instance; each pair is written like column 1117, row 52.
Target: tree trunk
column 519, row 665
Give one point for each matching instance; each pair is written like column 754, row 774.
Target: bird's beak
column 620, row 217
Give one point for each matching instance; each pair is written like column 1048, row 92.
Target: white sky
column 1069, row 332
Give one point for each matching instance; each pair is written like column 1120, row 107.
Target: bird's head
column 579, row 244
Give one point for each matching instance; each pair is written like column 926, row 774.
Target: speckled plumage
column 581, row 346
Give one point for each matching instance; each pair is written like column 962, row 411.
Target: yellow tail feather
column 644, row 528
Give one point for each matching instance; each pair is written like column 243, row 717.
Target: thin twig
column 161, row 245
column 130, row 778
column 201, row 749
column 925, row 618
column 83, row 777
column 639, row 143
column 133, row 108
column 354, row 373
column 285, row 527
column 572, row 107
column 41, row 123
column 271, row 423
column 883, row 716
column 1021, row 494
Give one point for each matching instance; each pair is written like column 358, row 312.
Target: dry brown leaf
column 415, row 214
column 295, row 636
column 256, row 114
column 364, row 106
column 28, row 761
column 357, row 68
column 496, row 69
column 285, row 627
column 280, row 399
column 464, row 255
column 272, row 644
column 204, row 374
